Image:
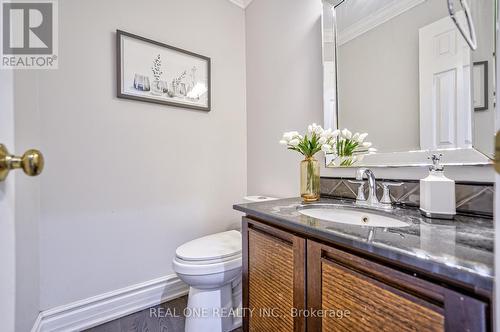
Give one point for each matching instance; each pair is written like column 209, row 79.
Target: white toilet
column 211, row 266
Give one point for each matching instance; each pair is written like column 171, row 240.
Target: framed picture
column 480, row 81
column 154, row 72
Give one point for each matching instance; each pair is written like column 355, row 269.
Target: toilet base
column 211, row 310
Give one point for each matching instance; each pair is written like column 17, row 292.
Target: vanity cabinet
column 292, row 282
column 274, row 278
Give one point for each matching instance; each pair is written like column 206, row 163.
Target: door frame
column 7, row 210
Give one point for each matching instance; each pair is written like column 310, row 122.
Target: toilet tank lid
column 215, row 246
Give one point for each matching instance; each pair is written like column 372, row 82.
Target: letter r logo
column 27, row 28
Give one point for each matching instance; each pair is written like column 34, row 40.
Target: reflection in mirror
column 401, row 71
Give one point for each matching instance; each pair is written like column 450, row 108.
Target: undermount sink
column 352, row 216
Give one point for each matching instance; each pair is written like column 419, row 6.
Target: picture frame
column 480, row 81
column 155, row 72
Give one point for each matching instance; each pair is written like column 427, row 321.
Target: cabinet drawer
column 355, row 303
column 354, row 294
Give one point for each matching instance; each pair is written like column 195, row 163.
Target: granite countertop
column 458, row 251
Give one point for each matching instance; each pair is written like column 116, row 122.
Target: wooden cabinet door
column 273, row 278
column 353, row 294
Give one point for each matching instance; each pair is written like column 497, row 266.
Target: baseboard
column 106, row 307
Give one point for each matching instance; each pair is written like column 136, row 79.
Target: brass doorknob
column 31, row 162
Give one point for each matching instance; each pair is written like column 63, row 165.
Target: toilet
column 211, row 266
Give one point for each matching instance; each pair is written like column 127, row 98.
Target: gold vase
column 309, row 179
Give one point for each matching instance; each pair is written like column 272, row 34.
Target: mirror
column 402, row 72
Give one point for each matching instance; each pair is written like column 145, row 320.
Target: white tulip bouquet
column 343, row 143
column 315, row 140
column 351, row 148
column 348, row 148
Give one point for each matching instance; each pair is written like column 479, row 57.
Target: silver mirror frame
column 470, row 38
column 417, row 158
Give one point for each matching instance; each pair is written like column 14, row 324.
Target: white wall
column 284, row 92
column 284, row 88
column 126, row 182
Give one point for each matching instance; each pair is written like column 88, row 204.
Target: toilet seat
column 210, row 247
column 208, row 267
column 209, row 261
column 209, row 254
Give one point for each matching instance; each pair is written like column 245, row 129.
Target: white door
column 7, row 208
column 445, row 92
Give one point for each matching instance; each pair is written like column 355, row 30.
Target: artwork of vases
column 155, row 72
column 156, row 88
column 141, row 82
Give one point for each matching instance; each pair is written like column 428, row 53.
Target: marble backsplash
column 472, row 197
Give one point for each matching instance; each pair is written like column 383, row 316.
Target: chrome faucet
column 372, row 199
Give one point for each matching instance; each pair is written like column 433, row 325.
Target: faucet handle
column 361, row 189
column 386, row 197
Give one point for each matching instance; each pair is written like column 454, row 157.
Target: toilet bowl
column 211, row 266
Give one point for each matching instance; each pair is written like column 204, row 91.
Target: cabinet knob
column 31, row 162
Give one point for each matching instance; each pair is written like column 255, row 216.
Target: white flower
column 322, row 140
column 346, row 133
column 312, row 128
column 355, row 137
column 327, row 133
column 283, row 142
column 315, row 129
column 290, row 135
column 336, row 133
column 326, row 148
column 367, row 144
column 362, row 137
column 294, row 142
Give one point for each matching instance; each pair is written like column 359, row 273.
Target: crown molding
column 241, row 3
column 377, row 18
